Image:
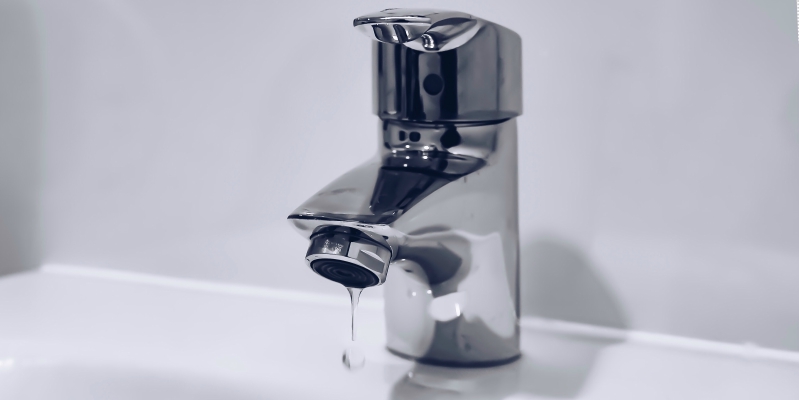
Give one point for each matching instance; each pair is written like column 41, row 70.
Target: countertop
column 240, row 342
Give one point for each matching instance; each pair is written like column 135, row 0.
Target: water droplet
column 355, row 295
column 353, row 358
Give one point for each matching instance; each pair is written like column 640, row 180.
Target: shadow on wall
column 558, row 282
column 791, row 114
column 20, row 130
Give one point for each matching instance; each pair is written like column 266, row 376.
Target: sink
column 51, row 380
column 77, row 333
column 162, row 338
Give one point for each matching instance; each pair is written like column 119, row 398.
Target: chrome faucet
column 434, row 215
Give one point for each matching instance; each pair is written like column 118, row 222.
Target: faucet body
column 434, row 214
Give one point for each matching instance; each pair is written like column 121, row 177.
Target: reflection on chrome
column 435, row 210
column 431, row 382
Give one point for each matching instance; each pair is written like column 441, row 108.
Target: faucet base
column 455, row 364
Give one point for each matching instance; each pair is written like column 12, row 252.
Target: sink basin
column 45, row 381
column 94, row 334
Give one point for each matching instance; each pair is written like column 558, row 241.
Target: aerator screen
column 347, row 274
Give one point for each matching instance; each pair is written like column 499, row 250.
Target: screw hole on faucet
column 402, row 136
column 433, row 84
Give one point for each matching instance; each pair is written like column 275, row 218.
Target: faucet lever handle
column 420, row 29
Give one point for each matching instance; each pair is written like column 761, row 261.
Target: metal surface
column 420, row 29
column 349, row 256
column 439, row 201
column 443, row 66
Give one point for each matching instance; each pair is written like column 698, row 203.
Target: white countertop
column 113, row 333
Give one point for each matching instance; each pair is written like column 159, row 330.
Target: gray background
column 659, row 149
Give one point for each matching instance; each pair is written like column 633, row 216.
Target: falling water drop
column 355, row 296
column 353, row 357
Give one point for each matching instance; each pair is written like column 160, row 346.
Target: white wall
column 20, row 135
column 659, row 149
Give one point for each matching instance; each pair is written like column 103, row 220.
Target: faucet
column 434, row 214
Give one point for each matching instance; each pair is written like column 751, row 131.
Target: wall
column 20, row 134
column 659, row 149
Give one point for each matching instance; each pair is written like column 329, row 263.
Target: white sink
column 119, row 336
column 45, row 381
